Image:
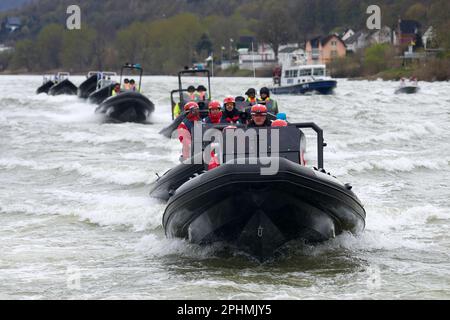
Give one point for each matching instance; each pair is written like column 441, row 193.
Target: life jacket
column 217, row 119
column 188, row 124
column 231, row 117
column 271, row 105
column 252, row 102
column 176, row 110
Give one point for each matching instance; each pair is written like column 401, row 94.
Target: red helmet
column 229, row 100
column 259, row 109
column 279, row 123
column 214, row 105
column 191, row 105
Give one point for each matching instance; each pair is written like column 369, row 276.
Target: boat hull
column 97, row 97
column 321, row 87
column 258, row 214
column 87, row 87
column 407, row 90
column 45, row 87
column 64, row 87
column 126, row 107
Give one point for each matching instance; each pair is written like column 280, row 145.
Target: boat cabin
column 303, row 74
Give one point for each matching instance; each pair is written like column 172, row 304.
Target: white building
column 291, row 56
column 263, row 57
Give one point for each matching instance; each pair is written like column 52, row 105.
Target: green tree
column 25, row 56
column 275, row 26
column 49, row 44
column 377, row 57
column 77, row 49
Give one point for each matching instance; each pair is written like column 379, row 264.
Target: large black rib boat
column 239, row 205
column 127, row 105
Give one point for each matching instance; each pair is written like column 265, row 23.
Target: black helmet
column 201, row 88
column 126, row 80
column 250, row 91
column 191, row 89
column 264, row 90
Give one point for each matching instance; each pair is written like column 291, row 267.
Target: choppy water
column 74, row 201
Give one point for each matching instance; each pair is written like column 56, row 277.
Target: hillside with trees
column 165, row 35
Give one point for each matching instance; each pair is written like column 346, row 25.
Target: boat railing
column 288, row 135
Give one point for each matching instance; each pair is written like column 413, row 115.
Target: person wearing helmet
column 230, row 113
column 215, row 113
column 259, row 117
column 186, row 126
column 272, row 105
column 251, row 97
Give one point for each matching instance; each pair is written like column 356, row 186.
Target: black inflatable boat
column 407, row 90
column 46, row 85
column 127, row 105
column 89, row 85
column 104, row 88
column 238, row 205
column 63, row 85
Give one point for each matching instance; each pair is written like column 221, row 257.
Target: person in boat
column 185, row 128
column 215, row 113
column 215, row 162
column 402, row 82
column 230, row 113
column 251, row 97
column 126, row 84
column 259, row 117
column 272, row 105
column 190, row 95
column 116, row 90
column 201, row 93
column 133, row 86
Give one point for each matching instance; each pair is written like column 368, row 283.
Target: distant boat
column 407, row 90
column 410, row 88
column 301, row 79
column 63, row 85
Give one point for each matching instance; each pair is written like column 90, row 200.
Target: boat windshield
column 319, row 72
column 305, row 72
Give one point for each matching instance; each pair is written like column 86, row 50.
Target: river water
column 76, row 221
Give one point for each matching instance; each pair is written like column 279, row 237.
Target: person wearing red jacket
column 215, row 113
column 186, row 126
column 231, row 114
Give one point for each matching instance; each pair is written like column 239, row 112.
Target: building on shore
column 322, row 50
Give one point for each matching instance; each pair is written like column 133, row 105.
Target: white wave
column 402, row 132
column 118, row 175
column 392, row 165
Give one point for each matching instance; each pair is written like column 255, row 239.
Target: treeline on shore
column 166, row 35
